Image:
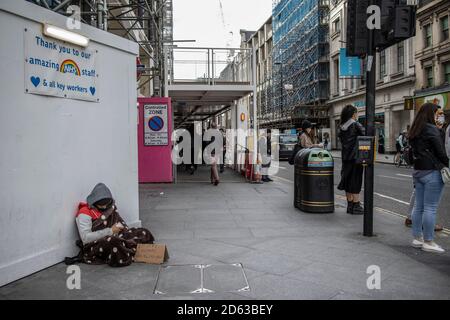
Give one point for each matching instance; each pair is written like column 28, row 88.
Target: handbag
column 445, row 171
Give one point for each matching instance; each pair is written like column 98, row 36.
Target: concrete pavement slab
column 286, row 254
column 272, row 287
column 165, row 234
column 271, row 263
column 199, row 225
column 222, row 233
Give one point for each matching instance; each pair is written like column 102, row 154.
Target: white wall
column 54, row 150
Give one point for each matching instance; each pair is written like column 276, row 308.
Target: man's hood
column 347, row 125
column 99, row 192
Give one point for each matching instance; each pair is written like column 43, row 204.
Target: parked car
column 287, row 145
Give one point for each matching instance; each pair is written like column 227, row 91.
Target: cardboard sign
column 151, row 253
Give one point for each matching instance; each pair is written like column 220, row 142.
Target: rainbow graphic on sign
column 70, row 66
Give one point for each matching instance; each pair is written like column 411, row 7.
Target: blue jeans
column 428, row 195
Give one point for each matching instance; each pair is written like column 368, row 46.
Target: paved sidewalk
column 286, row 254
column 381, row 158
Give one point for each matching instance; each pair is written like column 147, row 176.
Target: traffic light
column 384, row 38
column 398, row 23
column 357, row 27
column 405, row 22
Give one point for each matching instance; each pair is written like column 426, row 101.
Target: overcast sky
column 201, row 20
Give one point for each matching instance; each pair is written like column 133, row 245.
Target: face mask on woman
column 440, row 120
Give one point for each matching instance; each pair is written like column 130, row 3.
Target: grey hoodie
column 84, row 222
column 100, row 192
column 347, row 125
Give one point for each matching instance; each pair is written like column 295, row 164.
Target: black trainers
column 349, row 207
column 357, row 209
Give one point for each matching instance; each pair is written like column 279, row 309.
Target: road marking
column 404, row 175
column 444, row 231
column 282, row 179
column 385, row 211
column 390, row 198
column 394, row 178
column 283, row 168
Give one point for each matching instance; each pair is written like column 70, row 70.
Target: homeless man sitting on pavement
column 105, row 236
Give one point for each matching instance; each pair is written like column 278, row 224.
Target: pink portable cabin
column 154, row 140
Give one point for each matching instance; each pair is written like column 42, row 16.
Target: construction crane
column 230, row 33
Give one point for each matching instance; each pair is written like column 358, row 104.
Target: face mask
column 441, row 119
column 106, row 208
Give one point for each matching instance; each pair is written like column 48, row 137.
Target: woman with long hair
column 352, row 173
column 429, row 158
column 307, row 138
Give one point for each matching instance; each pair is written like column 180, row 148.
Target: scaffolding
column 149, row 23
column 299, row 87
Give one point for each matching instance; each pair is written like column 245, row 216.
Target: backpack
column 408, row 155
column 297, row 149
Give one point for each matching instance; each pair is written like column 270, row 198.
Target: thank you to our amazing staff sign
column 156, row 130
column 56, row 68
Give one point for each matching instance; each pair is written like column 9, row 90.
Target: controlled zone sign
column 156, row 130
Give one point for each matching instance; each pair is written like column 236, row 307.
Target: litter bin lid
column 319, row 158
column 302, row 155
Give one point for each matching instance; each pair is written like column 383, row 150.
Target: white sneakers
column 432, row 247
column 417, row 243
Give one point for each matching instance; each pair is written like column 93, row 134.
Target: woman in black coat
column 352, row 173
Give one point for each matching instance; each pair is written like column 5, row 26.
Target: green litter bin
column 314, row 181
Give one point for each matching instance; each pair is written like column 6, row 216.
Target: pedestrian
column 326, row 141
column 297, row 148
column 266, row 155
column 351, row 173
column 447, row 141
column 408, row 220
column 214, row 171
column 105, row 237
column 193, row 165
column 307, row 138
column 381, row 148
column 429, row 158
column 224, row 150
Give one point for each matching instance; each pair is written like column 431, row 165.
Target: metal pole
column 213, row 74
column 255, row 114
column 100, row 14
column 105, row 15
column 370, row 131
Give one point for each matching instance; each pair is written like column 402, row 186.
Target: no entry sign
column 156, row 131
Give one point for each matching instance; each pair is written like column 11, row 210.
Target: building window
column 382, row 64
column 428, row 36
column 336, row 80
column 445, row 29
column 337, row 25
column 429, row 78
column 401, row 57
column 447, row 72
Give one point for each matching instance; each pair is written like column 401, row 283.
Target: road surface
column 393, row 188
